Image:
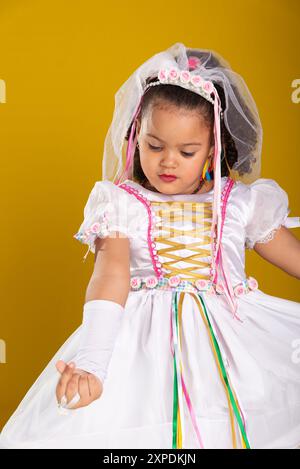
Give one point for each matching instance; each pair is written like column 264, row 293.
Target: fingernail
column 71, row 365
column 74, row 400
column 63, row 401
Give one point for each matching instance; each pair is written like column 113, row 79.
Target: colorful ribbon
column 179, row 387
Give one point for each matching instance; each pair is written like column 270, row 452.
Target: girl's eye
column 153, row 148
column 159, row 148
column 187, row 154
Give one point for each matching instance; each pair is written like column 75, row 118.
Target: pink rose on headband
column 208, row 86
column 185, row 76
column 197, row 80
column 173, row 74
column 162, row 75
column 193, row 62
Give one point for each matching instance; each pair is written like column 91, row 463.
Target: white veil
column 240, row 117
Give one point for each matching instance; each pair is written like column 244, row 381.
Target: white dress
column 230, row 382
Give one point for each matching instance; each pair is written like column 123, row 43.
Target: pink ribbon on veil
column 218, row 257
column 131, row 146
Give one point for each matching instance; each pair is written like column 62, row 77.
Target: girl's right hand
column 73, row 381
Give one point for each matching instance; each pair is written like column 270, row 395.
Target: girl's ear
column 211, row 157
column 212, row 145
column 138, row 127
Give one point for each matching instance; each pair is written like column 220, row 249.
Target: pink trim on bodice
column 152, row 217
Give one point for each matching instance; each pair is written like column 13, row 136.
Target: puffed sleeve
column 268, row 209
column 105, row 211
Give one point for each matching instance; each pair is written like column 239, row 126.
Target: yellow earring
column 205, row 168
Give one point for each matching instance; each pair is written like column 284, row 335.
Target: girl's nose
column 168, row 159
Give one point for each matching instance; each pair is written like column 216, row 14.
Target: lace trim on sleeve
column 266, row 239
column 250, row 244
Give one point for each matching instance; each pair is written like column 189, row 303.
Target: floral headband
column 185, row 79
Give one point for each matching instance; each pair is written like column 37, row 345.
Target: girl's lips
column 168, row 178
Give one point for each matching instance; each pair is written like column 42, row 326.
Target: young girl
column 178, row 347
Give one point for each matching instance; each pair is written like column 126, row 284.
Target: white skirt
column 136, row 409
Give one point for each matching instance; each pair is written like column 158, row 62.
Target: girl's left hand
column 75, row 381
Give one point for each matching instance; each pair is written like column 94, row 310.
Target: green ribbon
column 235, row 408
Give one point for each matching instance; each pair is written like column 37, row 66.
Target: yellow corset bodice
column 182, row 237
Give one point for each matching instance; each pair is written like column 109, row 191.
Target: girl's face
column 176, row 142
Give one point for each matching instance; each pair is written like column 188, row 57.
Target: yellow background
column 62, row 63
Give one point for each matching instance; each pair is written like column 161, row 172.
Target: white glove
column 100, row 327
